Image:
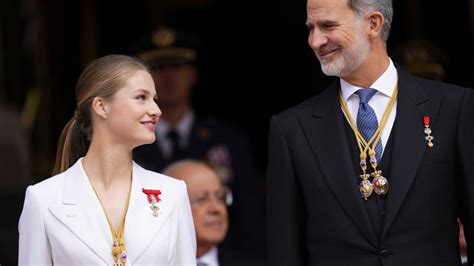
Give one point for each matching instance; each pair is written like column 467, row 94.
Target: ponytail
column 101, row 78
column 73, row 144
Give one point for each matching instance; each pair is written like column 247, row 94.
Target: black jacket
column 316, row 215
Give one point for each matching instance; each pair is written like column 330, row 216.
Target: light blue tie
column 366, row 118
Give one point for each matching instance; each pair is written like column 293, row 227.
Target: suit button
column 383, row 213
column 384, row 253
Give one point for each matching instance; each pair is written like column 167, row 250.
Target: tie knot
column 365, row 94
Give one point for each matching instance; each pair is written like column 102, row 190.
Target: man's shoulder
column 214, row 122
column 439, row 86
column 433, row 87
column 308, row 105
column 214, row 128
column 450, row 94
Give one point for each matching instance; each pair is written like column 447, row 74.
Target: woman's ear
column 99, row 107
column 376, row 21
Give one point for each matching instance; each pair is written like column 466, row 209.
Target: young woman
column 100, row 207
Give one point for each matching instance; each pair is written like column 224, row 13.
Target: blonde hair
column 101, row 78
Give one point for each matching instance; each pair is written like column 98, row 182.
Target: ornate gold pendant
column 155, row 209
column 380, row 183
column 153, row 199
column 365, row 187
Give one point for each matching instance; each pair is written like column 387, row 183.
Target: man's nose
column 215, row 204
column 316, row 39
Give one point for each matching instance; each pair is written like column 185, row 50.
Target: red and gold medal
column 153, row 199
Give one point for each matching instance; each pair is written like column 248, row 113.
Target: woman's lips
column 150, row 125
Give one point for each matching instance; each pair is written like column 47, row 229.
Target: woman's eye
column 141, row 97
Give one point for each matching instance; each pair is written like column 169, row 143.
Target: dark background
column 256, row 61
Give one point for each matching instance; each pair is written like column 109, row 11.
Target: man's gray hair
column 361, row 7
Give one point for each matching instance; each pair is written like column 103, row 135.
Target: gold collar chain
column 119, row 251
column 379, row 184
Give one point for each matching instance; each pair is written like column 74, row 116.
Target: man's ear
column 376, row 21
column 99, row 107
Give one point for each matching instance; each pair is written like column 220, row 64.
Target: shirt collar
column 210, row 257
column 384, row 84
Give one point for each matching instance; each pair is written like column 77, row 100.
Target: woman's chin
column 146, row 141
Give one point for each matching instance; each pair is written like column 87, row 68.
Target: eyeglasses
column 223, row 196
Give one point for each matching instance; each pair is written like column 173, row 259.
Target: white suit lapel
column 141, row 227
column 82, row 213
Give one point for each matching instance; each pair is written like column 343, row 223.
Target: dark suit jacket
column 246, row 213
column 232, row 257
column 316, row 215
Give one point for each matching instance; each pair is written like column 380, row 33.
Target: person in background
column 15, row 176
column 422, row 58
column 462, row 245
column 375, row 169
column 209, row 201
column 101, row 208
column 183, row 133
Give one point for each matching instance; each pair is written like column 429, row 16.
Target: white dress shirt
column 210, row 258
column 183, row 128
column 385, row 86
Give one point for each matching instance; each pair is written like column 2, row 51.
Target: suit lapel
column 324, row 130
column 409, row 141
column 141, row 227
column 82, row 214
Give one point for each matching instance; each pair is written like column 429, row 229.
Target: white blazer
column 62, row 223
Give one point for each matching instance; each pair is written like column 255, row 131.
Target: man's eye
column 201, row 199
column 221, row 195
column 329, row 26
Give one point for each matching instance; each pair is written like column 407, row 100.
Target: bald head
column 191, row 172
column 206, row 195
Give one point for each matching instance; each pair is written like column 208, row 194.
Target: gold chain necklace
column 379, row 184
column 119, row 251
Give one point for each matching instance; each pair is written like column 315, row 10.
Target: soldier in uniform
column 182, row 133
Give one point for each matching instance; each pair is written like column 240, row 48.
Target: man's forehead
column 206, row 181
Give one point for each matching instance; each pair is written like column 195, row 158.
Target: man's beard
column 349, row 58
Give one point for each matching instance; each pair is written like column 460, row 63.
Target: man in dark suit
column 209, row 200
column 182, row 133
column 375, row 169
